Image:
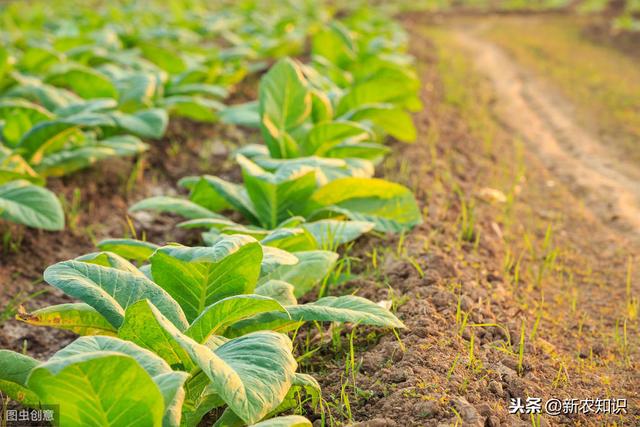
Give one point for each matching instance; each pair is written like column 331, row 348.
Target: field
column 305, row 213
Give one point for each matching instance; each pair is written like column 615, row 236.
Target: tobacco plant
column 103, row 380
column 208, row 312
column 267, row 199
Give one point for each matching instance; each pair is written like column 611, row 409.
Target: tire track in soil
column 609, row 187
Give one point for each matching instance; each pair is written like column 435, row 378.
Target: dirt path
column 610, row 188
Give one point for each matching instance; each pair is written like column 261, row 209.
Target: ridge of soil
column 457, row 363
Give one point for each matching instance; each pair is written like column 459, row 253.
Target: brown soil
column 428, row 378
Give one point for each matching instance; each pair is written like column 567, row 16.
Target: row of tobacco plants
column 171, row 335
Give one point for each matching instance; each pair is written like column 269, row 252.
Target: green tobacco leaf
column 45, row 136
column 312, row 267
column 148, row 328
column 137, row 90
column 246, row 114
column 110, row 259
column 325, row 135
column 14, row 372
column 234, row 195
column 291, row 239
column 251, row 374
column 326, row 169
column 85, row 386
column 13, row 167
column 151, row 123
column 19, row 116
column 386, row 85
column 390, row 206
column 50, row 97
column 136, row 250
column 28, row 204
column 87, row 106
column 198, row 277
column 321, row 108
column 284, row 103
column 371, row 151
column 164, row 58
column 110, row 290
column 208, row 223
column 277, row 196
column 215, row 318
column 286, row 421
column 193, row 107
column 78, row 318
column 86, row 82
column 72, row 159
column 348, row 308
column 392, row 120
column 174, row 205
column 150, row 362
column 273, row 258
column 198, row 89
column 204, row 193
column 280, row 291
column 335, row 44
column 332, row 233
column 168, row 382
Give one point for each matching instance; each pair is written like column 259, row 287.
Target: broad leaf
column 312, row 267
column 85, row 386
column 390, row 206
column 286, row 421
column 251, row 374
column 234, row 195
column 246, row 114
column 86, row 82
column 277, row 196
column 147, row 328
column 284, row 103
column 70, row 160
column 197, row 277
column 136, row 250
column 215, row 318
column 329, row 234
column 25, row 203
column 110, row 290
column 169, row 383
column 193, row 107
column 349, row 308
column 173, row 205
column 14, row 372
column 326, row 135
column 79, row 318
column 392, row 120
column 280, row 291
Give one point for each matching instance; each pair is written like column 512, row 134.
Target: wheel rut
column 609, row 187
